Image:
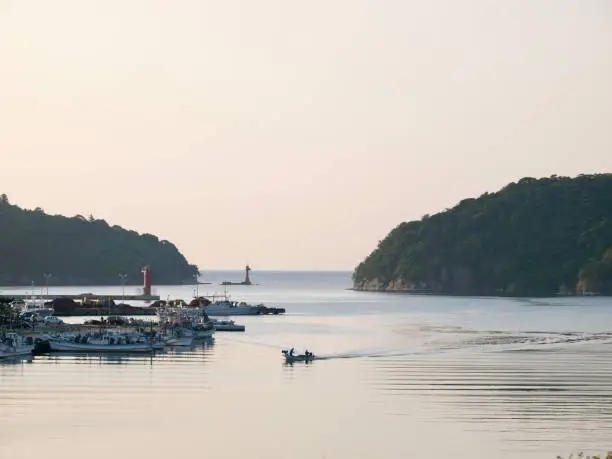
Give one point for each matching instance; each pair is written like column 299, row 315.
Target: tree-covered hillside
column 535, row 237
column 80, row 251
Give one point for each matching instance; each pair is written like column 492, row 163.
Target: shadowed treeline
column 80, row 251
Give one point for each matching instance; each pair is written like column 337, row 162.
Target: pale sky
column 294, row 135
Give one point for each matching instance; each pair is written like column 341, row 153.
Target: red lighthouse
column 146, row 281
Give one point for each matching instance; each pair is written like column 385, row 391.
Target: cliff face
column 596, row 276
column 535, row 237
column 80, row 251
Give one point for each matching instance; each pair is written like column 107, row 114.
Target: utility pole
column 47, row 277
column 123, row 277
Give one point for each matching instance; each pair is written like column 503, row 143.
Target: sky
column 294, row 135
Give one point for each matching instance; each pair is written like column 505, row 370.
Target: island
column 42, row 249
column 536, row 237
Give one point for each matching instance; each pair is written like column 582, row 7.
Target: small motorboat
column 290, row 357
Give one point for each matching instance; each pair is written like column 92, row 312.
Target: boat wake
column 444, row 340
column 537, row 340
column 459, row 338
column 367, row 353
column 337, row 356
column 486, row 342
column 374, row 355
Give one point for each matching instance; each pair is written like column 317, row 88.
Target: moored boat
column 202, row 331
column 222, row 305
column 214, row 305
column 15, row 345
column 179, row 337
column 184, row 325
column 231, row 308
column 100, row 342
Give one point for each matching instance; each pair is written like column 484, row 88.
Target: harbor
column 33, row 324
column 80, row 297
column 64, row 304
column 32, row 329
column 373, row 361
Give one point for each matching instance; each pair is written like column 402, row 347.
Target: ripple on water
column 522, row 396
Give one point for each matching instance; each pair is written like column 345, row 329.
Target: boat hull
column 226, row 311
column 204, row 334
column 15, row 345
column 183, row 341
column 16, row 352
column 229, row 327
column 59, row 346
column 299, row 358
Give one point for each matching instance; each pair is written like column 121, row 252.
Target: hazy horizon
column 294, row 136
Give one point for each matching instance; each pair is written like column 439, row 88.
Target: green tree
column 533, row 237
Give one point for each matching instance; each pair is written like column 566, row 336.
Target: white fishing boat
column 15, row 345
column 184, row 325
column 179, row 336
column 101, row 342
column 232, row 308
column 201, row 326
column 223, row 305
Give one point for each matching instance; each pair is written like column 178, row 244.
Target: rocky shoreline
column 400, row 286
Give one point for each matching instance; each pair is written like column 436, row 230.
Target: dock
column 80, row 296
column 145, row 296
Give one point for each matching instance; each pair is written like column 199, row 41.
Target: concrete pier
column 81, row 297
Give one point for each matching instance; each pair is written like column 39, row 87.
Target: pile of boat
column 177, row 326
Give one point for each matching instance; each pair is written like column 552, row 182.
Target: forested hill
column 537, row 237
column 80, row 251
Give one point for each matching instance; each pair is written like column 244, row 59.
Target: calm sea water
column 401, row 376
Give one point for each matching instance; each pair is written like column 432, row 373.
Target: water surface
column 401, row 375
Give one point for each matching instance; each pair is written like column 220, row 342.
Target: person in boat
column 291, row 352
column 307, row 354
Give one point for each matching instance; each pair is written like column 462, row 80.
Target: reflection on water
column 197, row 352
column 20, row 360
column 397, row 376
